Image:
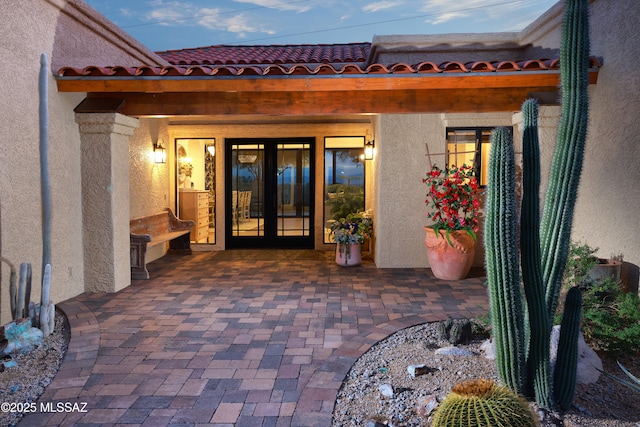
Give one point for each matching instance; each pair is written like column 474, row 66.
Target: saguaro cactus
column 46, row 306
column 522, row 344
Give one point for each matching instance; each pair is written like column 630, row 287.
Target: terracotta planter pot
column 606, row 268
column 349, row 255
column 449, row 262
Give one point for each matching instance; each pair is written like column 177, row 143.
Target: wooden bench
column 156, row 229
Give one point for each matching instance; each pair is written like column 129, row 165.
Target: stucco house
column 260, row 140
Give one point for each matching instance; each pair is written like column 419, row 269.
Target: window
column 470, row 146
column 343, row 178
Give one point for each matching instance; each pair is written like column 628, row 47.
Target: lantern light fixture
column 159, row 152
column 369, row 145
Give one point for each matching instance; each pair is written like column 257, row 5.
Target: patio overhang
column 332, row 94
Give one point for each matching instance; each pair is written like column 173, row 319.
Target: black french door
column 269, row 193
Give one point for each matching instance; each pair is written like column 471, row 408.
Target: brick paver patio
column 237, row 338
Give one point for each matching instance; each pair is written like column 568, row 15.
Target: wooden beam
column 335, row 102
column 329, row 83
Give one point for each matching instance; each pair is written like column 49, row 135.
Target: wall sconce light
column 369, row 145
column 159, row 152
column 211, row 149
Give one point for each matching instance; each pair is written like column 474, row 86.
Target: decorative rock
column 374, row 423
column 386, row 390
column 453, row 351
column 21, row 337
column 426, row 405
column 9, row 363
column 489, row 349
column 417, row 370
column 589, row 363
column 588, row 360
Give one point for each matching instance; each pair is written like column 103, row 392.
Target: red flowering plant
column 452, row 198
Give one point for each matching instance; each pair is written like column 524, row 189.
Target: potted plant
column 185, row 171
column 349, row 234
column 453, row 205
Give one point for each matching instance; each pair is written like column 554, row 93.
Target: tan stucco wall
column 70, row 33
column 149, row 185
column 105, row 199
column 608, row 208
column 28, row 30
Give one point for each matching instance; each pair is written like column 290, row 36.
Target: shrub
column 611, row 318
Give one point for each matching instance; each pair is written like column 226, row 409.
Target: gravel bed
column 23, row 384
column 360, row 401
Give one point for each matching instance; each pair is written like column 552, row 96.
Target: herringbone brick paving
column 238, row 338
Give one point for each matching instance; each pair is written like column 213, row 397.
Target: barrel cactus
column 482, row 403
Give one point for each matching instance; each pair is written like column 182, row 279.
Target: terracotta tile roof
column 269, row 54
column 319, row 69
column 278, row 60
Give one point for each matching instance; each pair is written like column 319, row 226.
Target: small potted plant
column 349, row 233
column 453, row 205
column 185, row 171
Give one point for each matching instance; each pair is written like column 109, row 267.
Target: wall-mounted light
column 211, row 149
column 369, row 145
column 159, row 152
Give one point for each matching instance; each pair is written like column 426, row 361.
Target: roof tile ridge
column 427, row 67
column 401, row 68
column 508, row 66
column 454, row 66
column 478, row 66
column 377, row 69
column 351, row 69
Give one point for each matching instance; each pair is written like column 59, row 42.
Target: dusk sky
column 176, row 24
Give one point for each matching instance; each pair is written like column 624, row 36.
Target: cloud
column 444, row 10
column 126, row 12
column 380, row 5
column 279, row 5
column 181, row 14
column 238, row 24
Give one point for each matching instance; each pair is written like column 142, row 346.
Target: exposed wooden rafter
column 305, row 95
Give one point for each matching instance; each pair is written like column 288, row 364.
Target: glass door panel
column 269, row 193
column 247, row 190
column 294, row 198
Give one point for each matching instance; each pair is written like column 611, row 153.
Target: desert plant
column 579, row 263
column 482, row 403
column 611, row 318
column 633, row 383
column 522, row 331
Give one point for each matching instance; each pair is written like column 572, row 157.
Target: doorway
column 270, row 188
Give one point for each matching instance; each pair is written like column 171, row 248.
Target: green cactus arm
column 568, row 157
column 564, row 375
column 501, row 255
column 538, row 367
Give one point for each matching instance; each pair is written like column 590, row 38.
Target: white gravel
column 23, row 384
column 360, row 402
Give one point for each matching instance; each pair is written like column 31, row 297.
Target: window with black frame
column 470, row 145
column 344, row 178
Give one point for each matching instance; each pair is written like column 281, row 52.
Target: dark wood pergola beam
column 314, row 103
column 427, row 93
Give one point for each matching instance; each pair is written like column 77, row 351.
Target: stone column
column 105, row 199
